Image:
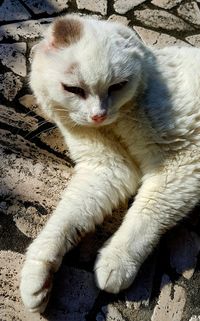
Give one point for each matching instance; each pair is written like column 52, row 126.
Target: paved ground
column 35, row 167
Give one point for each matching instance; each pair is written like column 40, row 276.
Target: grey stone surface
column 194, row 40
column 190, row 12
column 109, row 313
column 123, row 6
column 10, row 84
column 13, row 57
column 50, row 6
column 13, row 10
column 118, row 18
column 26, row 30
column 157, row 39
column 93, row 5
column 169, row 307
column 166, row 4
column 161, row 19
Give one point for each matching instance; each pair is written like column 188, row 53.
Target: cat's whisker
column 43, row 131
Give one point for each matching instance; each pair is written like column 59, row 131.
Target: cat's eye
column 75, row 90
column 117, row 86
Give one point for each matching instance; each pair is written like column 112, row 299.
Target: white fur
column 148, row 144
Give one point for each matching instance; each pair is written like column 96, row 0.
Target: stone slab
column 123, row 6
column 13, row 10
column 13, row 57
column 109, row 313
column 26, row 30
column 93, row 5
column 166, row 4
column 190, row 12
column 157, row 39
column 169, row 307
column 49, row 7
column 33, row 185
column 161, row 19
column 10, row 85
column 73, row 295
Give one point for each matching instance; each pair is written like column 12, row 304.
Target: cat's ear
column 64, row 32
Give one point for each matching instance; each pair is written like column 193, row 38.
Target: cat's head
column 86, row 69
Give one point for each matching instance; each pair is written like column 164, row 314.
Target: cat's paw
column 36, row 284
column 115, row 270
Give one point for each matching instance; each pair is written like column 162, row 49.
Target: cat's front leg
column 164, row 198
column 92, row 193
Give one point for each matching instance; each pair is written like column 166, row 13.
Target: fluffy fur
column 146, row 142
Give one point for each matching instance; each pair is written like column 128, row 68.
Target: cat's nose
column 99, row 118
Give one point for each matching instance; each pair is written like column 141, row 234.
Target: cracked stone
column 194, row 40
column 18, row 120
column 169, row 307
column 10, row 301
column 161, row 19
column 13, row 10
column 190, row 12
column 93, row 5
column 109, row 313
column 123, row 6
column 52, row 6
column 117, row 18
column 195, row 318
column 10, row 84
column 184, row 249
column 33, row 185
column 30, row 29
column 166, row 4
column 12, row 56
column 55, row 140
column 157, row 39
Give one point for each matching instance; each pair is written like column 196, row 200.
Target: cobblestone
column 109, row 313
column 13, row 10
column 13, row 57
column 194, row 40
column 161, row 20
column 10, row 84
column 93, row 5
column 52, row 6
column 123, row 6
column 168, row 307
column 27, row 30
column 166, row 4
column 190, row 12
column 157, row 39
column 120, row 19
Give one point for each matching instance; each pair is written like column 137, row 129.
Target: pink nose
column 99, row 118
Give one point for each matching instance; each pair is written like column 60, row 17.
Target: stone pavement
column 35, row 167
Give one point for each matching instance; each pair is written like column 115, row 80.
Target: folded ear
column 64, row 31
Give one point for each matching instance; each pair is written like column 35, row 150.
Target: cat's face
column 89, row 69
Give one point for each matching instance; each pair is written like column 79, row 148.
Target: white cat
column 130, row 116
